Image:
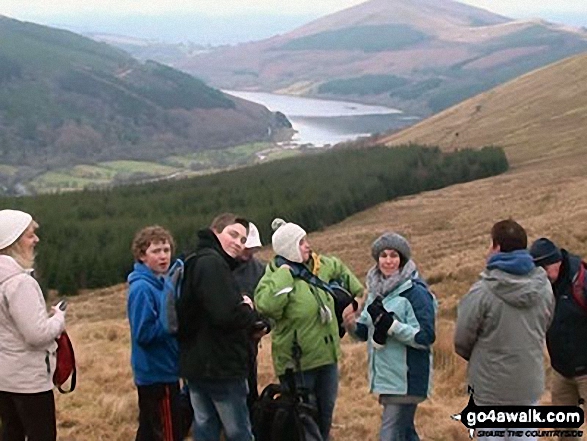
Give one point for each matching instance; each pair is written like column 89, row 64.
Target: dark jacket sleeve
column 216, row 293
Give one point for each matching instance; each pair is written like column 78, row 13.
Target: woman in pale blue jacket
column 398, row 325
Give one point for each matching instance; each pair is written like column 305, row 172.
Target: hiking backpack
column 168, row 313
column 284, row 412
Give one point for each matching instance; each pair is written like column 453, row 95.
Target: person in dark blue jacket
column 154, row 352
column 567, row 336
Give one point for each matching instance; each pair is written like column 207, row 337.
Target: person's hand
column 247, row 301
column 382, row 325
column 382, row 320
column 375, row 309
column 286, row 266
column 57, row 312
column 349, row 318
column 260, row 328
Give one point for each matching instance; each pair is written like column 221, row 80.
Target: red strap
column 579, row 293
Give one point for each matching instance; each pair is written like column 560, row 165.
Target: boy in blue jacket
column 154, row 352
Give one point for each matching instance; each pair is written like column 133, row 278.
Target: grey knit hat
column 286, row 240
column 391, row 241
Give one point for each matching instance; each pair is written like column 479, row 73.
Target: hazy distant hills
column 540, row 115
column 420, row 55
column 66, row 99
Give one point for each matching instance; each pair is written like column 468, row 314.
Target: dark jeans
column 159, row 412
column 28, row 417
column 323, row 383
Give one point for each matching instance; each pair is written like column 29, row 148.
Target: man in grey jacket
column 502, row 323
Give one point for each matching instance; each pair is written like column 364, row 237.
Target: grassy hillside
column 541, row 116
column 66, row 100
column 421, row 56
column 540, row 119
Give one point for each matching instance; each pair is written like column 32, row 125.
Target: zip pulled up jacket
column 214, row 323
column 501, row 328
column 403, row 366
column 154, row 352
column 294, row 306
column 27, row 333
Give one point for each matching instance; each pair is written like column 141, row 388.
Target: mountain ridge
column 445, row 51
column 66, row 99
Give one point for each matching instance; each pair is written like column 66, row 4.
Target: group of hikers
column 227, row 300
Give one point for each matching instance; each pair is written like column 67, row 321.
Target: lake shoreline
column 321, row 122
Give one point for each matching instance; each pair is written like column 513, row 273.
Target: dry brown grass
column 544, row 131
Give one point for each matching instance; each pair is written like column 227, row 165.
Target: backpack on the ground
column 173, row 281
column 65, row 366
column 580, row 286
column 285, row 413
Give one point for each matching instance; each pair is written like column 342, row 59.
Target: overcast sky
column 28, row 8
column 97, row 16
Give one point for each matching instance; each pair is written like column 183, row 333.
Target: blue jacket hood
column 517, row 262
column 143, row 272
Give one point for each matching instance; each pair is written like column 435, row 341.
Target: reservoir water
column 321, row 122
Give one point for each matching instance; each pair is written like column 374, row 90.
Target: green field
column 119, row 172
column 222, row 158
column 8, row 170
column 101, row 174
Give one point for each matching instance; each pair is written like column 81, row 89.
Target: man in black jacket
column 567, row 337
column 215, row 322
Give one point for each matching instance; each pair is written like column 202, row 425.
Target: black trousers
column 253, row 395
column 159, row 413
column 29, row 417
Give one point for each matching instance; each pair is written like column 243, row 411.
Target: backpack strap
column 578, row 288
column 300, row 271
column 71, row 385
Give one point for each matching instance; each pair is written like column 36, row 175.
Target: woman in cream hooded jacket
column 27, row 336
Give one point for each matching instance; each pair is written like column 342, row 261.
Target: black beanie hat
column 545, row 252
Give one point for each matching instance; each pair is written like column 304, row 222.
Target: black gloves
column 382, row 320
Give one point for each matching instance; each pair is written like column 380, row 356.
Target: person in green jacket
column 305, row 337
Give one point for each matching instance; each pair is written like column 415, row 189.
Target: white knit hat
column 286, row 240
column 253, row 238
column 12, row 224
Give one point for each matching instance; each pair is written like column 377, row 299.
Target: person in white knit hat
column 306, row 336
column 28, row 333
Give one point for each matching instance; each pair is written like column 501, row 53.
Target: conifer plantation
column 86, row 236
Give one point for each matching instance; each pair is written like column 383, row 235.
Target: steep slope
column 419, row 55
column 65, row 99
column 540, row 115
